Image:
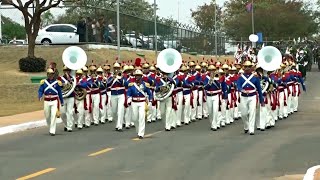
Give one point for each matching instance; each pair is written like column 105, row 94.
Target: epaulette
column 147, row 85
column 131, row 84
column 59, row 83
column 42, row 81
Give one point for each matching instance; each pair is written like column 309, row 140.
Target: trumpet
column 213, row 76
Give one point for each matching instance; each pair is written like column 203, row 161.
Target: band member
column 68, row 108
column 283, row 92
column 298, row 80
column 248, row 84
column 178, row 91
column 117, row 85
column 108, row 74
column 237, row 113
column 200, row 90
column 238, row 56
column 262, row 118
column 127, row 106
column 302, row 62
column 94, row 98
column 194, row 93
column 80, row 108
column 214, row 92
column 158, row 80
column 167, row 105
column 202, row 96
column 50, row 92
column 225, row 103
column 87, row 101
column 153, row 109
column 231, row 80
column 147, row 79
column 187, row 89
column 139, row 94
column 102, row 82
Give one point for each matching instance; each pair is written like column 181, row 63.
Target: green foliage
column 204, row 16
column 47, row 18
column 11, row 29
column 277, row 19
column 32, row 64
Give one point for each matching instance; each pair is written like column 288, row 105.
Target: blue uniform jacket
column 217, row 85
column 243, row 85
column 117, row 86
column 45, row 90
column 133, row 92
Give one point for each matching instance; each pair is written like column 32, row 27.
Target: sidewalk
column 21, row 122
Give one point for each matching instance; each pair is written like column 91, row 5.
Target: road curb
column 24, row 126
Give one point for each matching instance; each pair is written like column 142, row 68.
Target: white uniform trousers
column 261, row 119
column 158, row 114
column 67, row 112
column 80, row 114
column 295, row 99
column 282, row 108
column 200, row 107
column 248, row 112
column 88, row 116
column 270, row 118
column 50, row 112
column 237, row 113
column 186, row 109
column 153, row 110
column 103, row 111
column 290, row 105
column 179, row 111
column 138, row 116
column 149, row 113
column 213, row 108
column 109, row 111
column 205, row 109
column 166, row 112
column 222, row 114
column 230, row 111
column 128, row 116
column 195, row 104
column 95, row 108
column 117, row 107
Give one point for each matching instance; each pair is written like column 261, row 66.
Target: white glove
column 129, row 100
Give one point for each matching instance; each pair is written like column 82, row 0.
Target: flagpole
column 252, row 20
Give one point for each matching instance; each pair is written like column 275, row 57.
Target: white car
column 58, row 34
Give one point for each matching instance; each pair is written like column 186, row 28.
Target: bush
column 32, row 64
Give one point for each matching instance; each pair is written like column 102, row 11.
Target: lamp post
column 155, row 27
column 118, row 29
column 0, row 25
column 215, row 30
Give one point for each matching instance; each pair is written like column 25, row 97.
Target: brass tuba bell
column 74, row 58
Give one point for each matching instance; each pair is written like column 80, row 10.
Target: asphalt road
column 188, row 153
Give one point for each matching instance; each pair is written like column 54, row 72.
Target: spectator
column 106, row 32
column 89, row 27
column 94, row 30
column 179, row 47
column 81, row 29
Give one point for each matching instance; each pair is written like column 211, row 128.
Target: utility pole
column 215, row 30
column 0, row 24
column 155, row 28
column 118, row 29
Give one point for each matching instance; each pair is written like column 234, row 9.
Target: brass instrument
column 80, row 93
column 168, row 61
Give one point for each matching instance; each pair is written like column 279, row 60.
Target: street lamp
column 215, row 30
column 118, row 29
column 155, row 27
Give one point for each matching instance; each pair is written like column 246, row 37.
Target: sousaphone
column 168, row 61
column 269, row 59
column 74, row 58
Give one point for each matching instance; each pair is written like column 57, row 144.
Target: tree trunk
column 31, row 45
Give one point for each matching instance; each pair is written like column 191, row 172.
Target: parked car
column 18, row 42
column 58, row 34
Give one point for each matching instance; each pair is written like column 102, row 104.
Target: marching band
column 221, row 93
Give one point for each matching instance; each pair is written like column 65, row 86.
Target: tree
column 204, row 16
column 11, row 29
column 32, row 21
column 46, row 19
column 275, row 19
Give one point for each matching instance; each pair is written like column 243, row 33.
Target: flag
column 249, row 7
